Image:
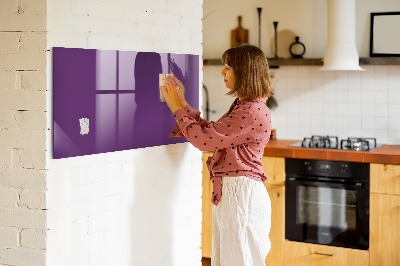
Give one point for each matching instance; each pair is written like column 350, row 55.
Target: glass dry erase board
column 109, row 100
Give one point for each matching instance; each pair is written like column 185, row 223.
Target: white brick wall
column 135, row 207
column 100, row 206
column 23, row 218
column 34, row 239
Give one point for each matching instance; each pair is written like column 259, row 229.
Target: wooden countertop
column 389, row 154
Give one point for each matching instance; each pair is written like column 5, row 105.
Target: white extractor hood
column 341, row 51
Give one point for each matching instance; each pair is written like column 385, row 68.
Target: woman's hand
column 173, row 95
column 181, row 91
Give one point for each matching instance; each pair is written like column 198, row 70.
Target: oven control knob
column 308, row 166
column 343, row 168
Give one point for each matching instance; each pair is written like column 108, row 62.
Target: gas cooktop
column 332, row 142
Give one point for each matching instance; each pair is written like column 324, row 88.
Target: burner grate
column 358, row 144
column 327, row 142
column 332, row 142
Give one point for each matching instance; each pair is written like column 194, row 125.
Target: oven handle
column 357, row 185
column 325, row 254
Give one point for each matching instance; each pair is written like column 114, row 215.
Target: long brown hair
column 250, row 66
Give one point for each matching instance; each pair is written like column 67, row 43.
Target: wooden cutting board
column 239, row 35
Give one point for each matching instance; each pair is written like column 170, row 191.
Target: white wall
column 23, row 132
column 311, row 102
column 304, row 18
column 135, row 207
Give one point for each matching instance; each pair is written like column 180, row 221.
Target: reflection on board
column 118, row 92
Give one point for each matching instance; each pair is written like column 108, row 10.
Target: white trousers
column 241, row 223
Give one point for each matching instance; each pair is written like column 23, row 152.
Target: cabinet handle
column 325, row 254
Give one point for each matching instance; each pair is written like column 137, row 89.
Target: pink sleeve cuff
column 180, row 113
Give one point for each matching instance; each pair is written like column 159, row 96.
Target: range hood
column 341, row 51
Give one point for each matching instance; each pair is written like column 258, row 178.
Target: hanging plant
column 271, row 102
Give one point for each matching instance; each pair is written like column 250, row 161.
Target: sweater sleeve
column 193, row 113
column 235, row 129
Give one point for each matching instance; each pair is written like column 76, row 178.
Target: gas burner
column 332, row 142
column 327, row 142
column 358, row 144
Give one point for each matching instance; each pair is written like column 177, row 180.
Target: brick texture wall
column 23, row 128
column 136, row 207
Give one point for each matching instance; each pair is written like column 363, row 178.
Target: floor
column 206, row 261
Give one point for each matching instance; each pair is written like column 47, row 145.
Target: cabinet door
column 274, row 168
column 384, row 229
column 206, row 232
column 277, row 233
column 305, row 254
column 385, row 178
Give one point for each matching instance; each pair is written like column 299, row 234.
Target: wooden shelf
column 273, row 63
column 380, row 61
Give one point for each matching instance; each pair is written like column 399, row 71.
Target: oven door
column 327, row 213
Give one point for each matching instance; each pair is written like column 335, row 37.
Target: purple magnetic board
column 109, row 100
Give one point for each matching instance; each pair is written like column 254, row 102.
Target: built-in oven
column 327, row 202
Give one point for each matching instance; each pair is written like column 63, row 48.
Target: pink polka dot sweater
column 238, row 139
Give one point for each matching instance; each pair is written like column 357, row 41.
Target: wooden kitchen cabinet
column 385, row 178
column 277, row 233
column 384, row 236
column 206, row 225
column 274, row 168
column 305, row 254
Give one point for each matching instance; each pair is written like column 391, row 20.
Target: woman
column 242, row 208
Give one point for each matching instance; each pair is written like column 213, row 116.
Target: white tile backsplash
column 292, row 83
column 291, row 71
column 367, row 110
column 342, row 81
column 394, row 137
column 342, row 123
column 382, row 136
column 394, row 110
column 304, row 82
column 394, row 97
column 354, row 80
column 304, row 72
column 367, row 96
column 394, row 124
column 381, row 97
column 343, row 103
column 329, row 109
column 342, row 96
column 367, row 83
column 381, row 71
column 381, row 122
column 380, row 84
column 342, row 109
column 368, row 123
column 394, row 82
column 381, row 110
column 393, row 71
column 355, row 96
